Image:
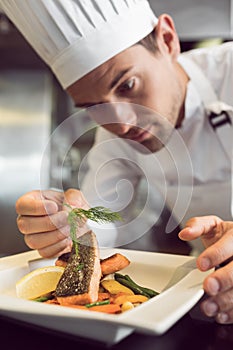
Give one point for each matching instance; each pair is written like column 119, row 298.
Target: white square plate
column 156, row 316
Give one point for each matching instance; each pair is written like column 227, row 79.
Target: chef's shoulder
column 217, row 64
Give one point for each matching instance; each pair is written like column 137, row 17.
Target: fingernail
column 205, row 263
column 210, row 308
column 222, row 317
column 213, row 286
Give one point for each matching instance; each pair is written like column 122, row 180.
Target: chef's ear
column 167, row 38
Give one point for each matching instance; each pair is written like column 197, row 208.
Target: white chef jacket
column 192, row 175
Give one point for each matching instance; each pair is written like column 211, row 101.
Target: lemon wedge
column 39, row 282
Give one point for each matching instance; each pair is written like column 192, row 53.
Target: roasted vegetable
column 129, row 283
column 114, row 287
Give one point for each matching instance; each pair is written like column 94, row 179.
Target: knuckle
column 218, row 253
column 192, row 221
column 71, row 191
column 75, row 197
column 221, row 225
column 225, row 276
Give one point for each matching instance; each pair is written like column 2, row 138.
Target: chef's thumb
column 75, row 199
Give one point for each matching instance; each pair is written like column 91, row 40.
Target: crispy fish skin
column 79, row 283
column 111, row 264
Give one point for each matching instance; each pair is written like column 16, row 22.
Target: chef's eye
column 127, row 85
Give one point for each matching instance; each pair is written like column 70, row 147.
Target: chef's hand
column 42, row 218
column 217, row 237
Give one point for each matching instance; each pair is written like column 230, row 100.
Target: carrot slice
column 109, row 308
column 51, row 301
column 76, row 306
column 103, row 296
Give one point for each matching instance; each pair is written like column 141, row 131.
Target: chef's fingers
column 37, row 203
column 225, row 317
column 56, row 249
column 37, row 224
column 217, row 253
column 220, row 307
column 45, row 239
column 75, row 198
column 200, row 226
column 219, row 281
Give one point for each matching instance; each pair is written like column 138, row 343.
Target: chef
column 165, row 129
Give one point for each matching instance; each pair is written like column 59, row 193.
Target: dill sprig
column 77, row 216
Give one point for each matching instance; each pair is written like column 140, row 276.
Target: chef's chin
column 150, row 146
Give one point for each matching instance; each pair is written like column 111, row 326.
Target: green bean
column 149, row 291
column 131, row 286
column 97, row 303
column 42, row 299
column 128, row 282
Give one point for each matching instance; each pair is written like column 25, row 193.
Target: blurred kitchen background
column 33, row 105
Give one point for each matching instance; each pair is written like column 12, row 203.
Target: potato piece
column 114, row 287
column 127, row 306
column 137, row 298
column 121, row 299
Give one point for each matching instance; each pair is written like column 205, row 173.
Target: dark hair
column 149, row 42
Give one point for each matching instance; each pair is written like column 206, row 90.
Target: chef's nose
column 122, row 115
column 123, row 118
column 119, row 129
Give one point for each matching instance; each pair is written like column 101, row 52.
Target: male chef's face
column 137, row 95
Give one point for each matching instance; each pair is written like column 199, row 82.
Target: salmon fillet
column 79, row 283
column 111, row 264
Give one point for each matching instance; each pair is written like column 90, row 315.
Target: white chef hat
column 75, row 36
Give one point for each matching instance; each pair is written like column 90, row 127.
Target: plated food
column 85, row 281
column 148, row 269
column 124, row 278
column 78, row 278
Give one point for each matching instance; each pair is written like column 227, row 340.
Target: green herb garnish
column 80, row 267
column 78, row 216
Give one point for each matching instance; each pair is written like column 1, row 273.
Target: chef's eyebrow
column 111, row 86
column 118, row 77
